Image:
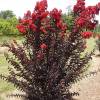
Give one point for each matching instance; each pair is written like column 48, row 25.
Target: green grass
column 90, row 44
column 9, row 38
column 4, row 86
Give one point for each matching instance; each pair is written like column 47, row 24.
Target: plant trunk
column 32, row 98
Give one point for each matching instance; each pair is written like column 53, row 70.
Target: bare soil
column 89, row 88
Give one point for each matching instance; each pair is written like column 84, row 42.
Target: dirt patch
column 13, row 95
column 3, row 50
column 89, row 88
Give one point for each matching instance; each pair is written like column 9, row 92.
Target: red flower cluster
column 40, row 20
column 98, row 5
column 41, row 25
column 41, row 6
column 56, row 16
column 21, row 28
column 32, row 27
column 30, row 19
column 80, row 22
column 86, row 15
column 79, row 7
column 86, row 34
column 27, row 15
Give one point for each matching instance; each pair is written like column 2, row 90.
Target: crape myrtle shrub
column 49, row 61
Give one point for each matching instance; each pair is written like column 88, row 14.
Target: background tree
column 8, row 26
column 8, row 22
column 69, row 19
column 6, row 14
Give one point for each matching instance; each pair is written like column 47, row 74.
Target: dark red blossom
column 92, row 10
column 79, row 7
column 44, row 14
column 59, row 24
column 34, row 16
column 80, row 22
column 91, row 26
column 26, row 21
column 43, row 46
column 55, row 14
column 33, row 27
column 27, row 14
column 86, row 17
column 86, row 34
column 42, row 21
column 21, row 28
column 43, row 29
column 98, row 5
column 41, row 6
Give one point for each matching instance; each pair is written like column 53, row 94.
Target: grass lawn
column 9, row 38
column 90, row 44
column 4, row 86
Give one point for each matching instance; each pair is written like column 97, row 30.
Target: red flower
column 91, row 26
column 80, row 22
column 86, row 15
column 98, row 5
column 33, row 27
column 27, row 14
column 21, row 28
column 41, row 6
column 86, row 34
column 79, row 7
column 44, row 14
column 59, row 24
column 64, row 27
column 43, row 46
column 26, row 21
column 55, row 14
column 34, row 16
column 43, row 29
column 94, row 10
